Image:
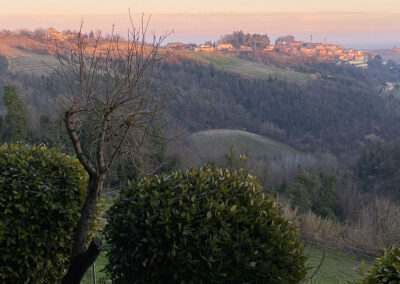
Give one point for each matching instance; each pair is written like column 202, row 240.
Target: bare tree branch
column 109, row 109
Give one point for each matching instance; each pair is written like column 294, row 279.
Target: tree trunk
column 81, row 259
column 81, row 263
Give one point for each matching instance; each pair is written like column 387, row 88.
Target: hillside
column 12, row 46
column 388, row 54
column 249, row 68
column 337, row 267
column 212, row 144
column 31, row 62
column 337, row 111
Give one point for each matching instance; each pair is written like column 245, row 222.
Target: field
column 32, row 63
column 338, row 267
column 249, row 68
column 213, row 144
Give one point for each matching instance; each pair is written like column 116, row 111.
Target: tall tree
column 107, row 113
column 1, row 128
column 16, row 117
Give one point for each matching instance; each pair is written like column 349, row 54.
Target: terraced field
column 32, row 63
column 250, row 68
column 212, row 144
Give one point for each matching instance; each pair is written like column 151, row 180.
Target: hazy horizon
column 356, row 23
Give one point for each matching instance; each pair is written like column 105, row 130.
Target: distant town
column 323, row 51
column 246, row 45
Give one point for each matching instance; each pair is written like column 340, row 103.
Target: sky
column 358, row 23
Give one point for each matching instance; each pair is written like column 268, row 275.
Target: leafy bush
column 41, row 193
column 385, row 269
column 201, row 226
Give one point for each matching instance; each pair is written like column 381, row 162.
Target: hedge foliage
column 385, row 269
column 41, row 193
column 201, row 226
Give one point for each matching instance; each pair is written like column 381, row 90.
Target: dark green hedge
column 41, row 193
column 201, row 226
column 385, row 269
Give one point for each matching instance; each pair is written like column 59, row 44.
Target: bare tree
column 107, row 113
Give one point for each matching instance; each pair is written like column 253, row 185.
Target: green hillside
column 212, row 144
column 32, row 63
column 250, row 68
column 337, row 267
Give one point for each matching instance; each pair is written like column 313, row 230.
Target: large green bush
column 41, row 193
column 385, row 269
column 201, row 226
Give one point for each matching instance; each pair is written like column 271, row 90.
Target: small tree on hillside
column 16, row 117
column 107, row 113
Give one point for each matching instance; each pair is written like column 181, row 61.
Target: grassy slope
column 26, row 61
column 337, row 267
column 250, row 68
column 211, row 144
column 32, row 63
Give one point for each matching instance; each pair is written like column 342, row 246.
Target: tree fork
column 81, row 263
column 81, row 259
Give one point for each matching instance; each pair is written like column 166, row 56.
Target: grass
column 251, row 69
column 338, row 267
column 100, row 263
column 212, row 144
column 396, row 92
column 33, row 63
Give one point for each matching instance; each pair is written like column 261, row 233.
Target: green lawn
column 101, row 262
column 251, row 68
column 338, row 267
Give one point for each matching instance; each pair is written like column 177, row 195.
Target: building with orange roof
column 52, row 33
column 269, row 48
column 205, row 47
column 176, row 45
column 225, row 46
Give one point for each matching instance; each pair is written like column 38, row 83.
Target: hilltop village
column 237, row 44
column 322, row 51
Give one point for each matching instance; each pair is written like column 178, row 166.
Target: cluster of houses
column 52, row 33
column 324, row 51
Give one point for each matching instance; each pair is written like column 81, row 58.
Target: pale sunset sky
column 358, row 23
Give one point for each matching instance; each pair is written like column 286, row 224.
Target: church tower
column 311, row 39
column 325, row 41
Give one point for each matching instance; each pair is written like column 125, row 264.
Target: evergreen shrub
column 41, row 194
column 201, row 226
